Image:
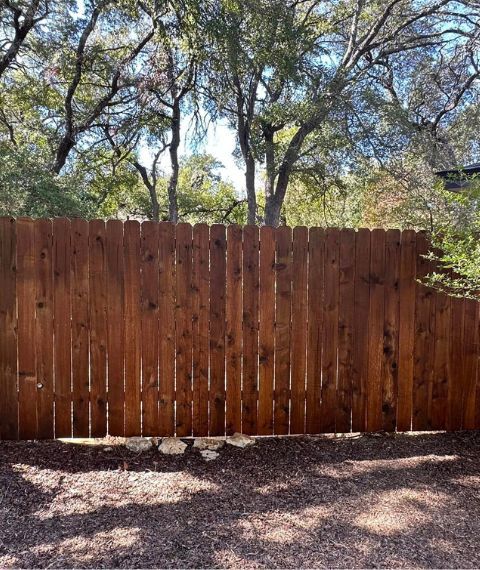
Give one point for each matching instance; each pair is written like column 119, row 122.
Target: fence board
column 345, row 330
column 200, row 340
column 315, row 328
column 470, row 363
column 115, row 327
column 266, row 333
column 8, row 328
column 391, row 326
column 250, row 328
column 234, row 330
column 330, row 331
column 183, row 320
column 441, row 369
column 299, row 330
column 80, row 329
column 44, row 327
column 283, row 311
column 62, row 327
column 406, row 329
column 217, row 329
column 375, row 331
column 149, row 317
column 424, row 341
column 166, row 355
column 26, row 294
column 131, row 242
column 360, row 330
column 98, row 328
column 454, row 406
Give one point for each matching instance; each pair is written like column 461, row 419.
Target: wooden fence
column 156, row 329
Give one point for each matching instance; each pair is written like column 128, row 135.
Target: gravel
column 403, row 501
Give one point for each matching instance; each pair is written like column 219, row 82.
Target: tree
column 316, row 58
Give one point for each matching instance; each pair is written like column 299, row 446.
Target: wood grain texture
column 26, row 299
column 233, row 348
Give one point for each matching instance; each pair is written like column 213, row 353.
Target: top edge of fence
column 204, row 224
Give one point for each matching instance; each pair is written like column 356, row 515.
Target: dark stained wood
column 166, row 355
column 330, row 331
column 250, row 327
column 200, row 332
column 80, row 328
column 44, row 327
column 441, row 369
column 26, row 294
column 424, row 348
column 391, row 327
column 217, row 329
column 376, row 331
column 233, row 349
column 470, row 363
column 149, row 316
column 455, row 386
column 8, row 331
column 183, row 322
column 283, row 313
column 131, row 242
column 316, row 254
column 62, row 327
column 115, row 269
column 360, row 330
column 98, row 328
column 298, row 345
column 407, row 285
column 345, row 331
column 266, row 341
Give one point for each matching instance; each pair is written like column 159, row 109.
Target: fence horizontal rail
column 157, row 329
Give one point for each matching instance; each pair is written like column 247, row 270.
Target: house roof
column 467, row 169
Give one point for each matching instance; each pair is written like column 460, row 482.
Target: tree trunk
column 273, row 208
column 173, row 182
column 251, row 195
column 64, row 148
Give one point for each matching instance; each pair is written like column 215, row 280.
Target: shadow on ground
column 297, row 502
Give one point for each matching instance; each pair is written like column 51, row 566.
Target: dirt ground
column 411, row 501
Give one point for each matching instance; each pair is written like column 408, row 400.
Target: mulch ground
column 410, row 501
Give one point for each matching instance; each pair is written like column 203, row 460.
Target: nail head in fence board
column 80, row 328
column 406, row 336
column 441, row 369
column 217, row 329
column 316, row 254
column 115, row 327
column 343, row 407
column 330, row 332
column 98, row 328
column 360, row 330
column 299, row 330
column 166, row 259
column 149, row 296
column 266, row 330
column 233, row 346
column 390, row 339
column 183, row 320
column 62, row 327
column 44, row 327
column 283, row 313
column 131, row 241
column 424, row 340
column 200, row 340
column 26, row 295
column 250, row 327
column 454, row 410
column 375, row 330
column 470, row 363
column 8, row 328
